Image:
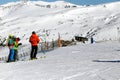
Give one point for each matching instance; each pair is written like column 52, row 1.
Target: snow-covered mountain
column 21, row 18
column 99, row 61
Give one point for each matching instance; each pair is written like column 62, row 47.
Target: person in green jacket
column 15, row 47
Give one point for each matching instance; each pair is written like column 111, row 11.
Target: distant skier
column 11, row 50
column 34, row 40
column 16, row 44
column 92, row 40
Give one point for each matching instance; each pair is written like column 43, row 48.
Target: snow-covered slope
column 20, row 19
column 100, row 61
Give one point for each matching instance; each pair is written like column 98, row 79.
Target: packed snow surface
column 100, row 61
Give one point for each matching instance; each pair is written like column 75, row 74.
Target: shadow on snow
column 111, row 61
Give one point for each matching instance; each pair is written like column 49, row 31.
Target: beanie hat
column 33, row 32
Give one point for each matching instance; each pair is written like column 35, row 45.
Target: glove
column 20, row 44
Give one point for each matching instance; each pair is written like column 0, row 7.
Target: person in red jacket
column 34, row 40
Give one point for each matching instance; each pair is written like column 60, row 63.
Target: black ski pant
column 33, row 52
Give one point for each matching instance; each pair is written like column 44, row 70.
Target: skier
column 34, row 40
column 11, row 50
column 15, row 47
column 92, row 40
